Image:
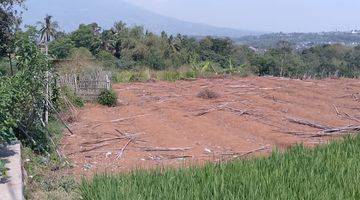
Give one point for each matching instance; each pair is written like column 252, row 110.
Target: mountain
column 70, row 14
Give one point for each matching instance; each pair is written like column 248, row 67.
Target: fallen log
column 327, row 132
column 342, row 129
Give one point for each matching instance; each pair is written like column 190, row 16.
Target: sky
column 263, row 15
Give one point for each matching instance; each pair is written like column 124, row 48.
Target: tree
column 48, row 31
column 61, row 47
column 10, row 20
column 88, row 36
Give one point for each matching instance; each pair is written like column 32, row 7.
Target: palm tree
column 48, row 31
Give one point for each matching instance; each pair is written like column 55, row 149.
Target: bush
column 72, row 97
column 107, row 98
column 208, row 94
column 22, row 98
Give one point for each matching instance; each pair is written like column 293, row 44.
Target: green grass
column 128, row 76
column 169, row 75
column 327, row 172
column 44, row 181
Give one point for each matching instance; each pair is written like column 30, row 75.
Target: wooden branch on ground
column 94, row 148
column 121, row 152
column 237, row 154
column 223, row 107
column 168, row 157
column 297, row 133
column 348, row 95
column 345, row 115
column 307, row 123
column 219, row 107
column 124, row 119
column 171, row 157
column 327, row 132
column 336, row 110
column 341, row 129
column 238, row 111
column 351, row 117
column 58, row 114
column 104, row 140
column 164, row 149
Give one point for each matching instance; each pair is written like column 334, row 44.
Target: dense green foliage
column 8, row 23
column 107, row 98
column 301, row 40
column 22, row 97
column 71, row 97
column 42, row 181
column 327, row 172
column 124, row 47
column 2, row 169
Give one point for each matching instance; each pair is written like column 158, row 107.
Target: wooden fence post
column 107, row 82
column 75, row 84
column 46, row 120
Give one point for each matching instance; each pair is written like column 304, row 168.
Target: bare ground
column 155, row 119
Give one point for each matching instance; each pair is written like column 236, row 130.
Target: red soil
column 166, row 116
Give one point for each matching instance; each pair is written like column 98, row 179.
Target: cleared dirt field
column 166, row 124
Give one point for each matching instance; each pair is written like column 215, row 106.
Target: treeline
column 300, row 40
column 124, row 48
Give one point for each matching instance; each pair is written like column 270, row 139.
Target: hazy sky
column 263, row 15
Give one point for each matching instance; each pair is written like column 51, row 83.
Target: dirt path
column 164, row 115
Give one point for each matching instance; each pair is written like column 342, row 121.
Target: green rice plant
column 325, row 172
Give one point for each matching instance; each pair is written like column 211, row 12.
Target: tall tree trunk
column 11, row 66
column 46, row 120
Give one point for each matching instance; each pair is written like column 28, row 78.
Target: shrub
column 106, row 59
column 22, row 98
column 72, row 97
column 2, row 169
column 208, row 94
column 107, row 98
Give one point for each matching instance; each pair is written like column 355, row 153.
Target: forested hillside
column 301, row 40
